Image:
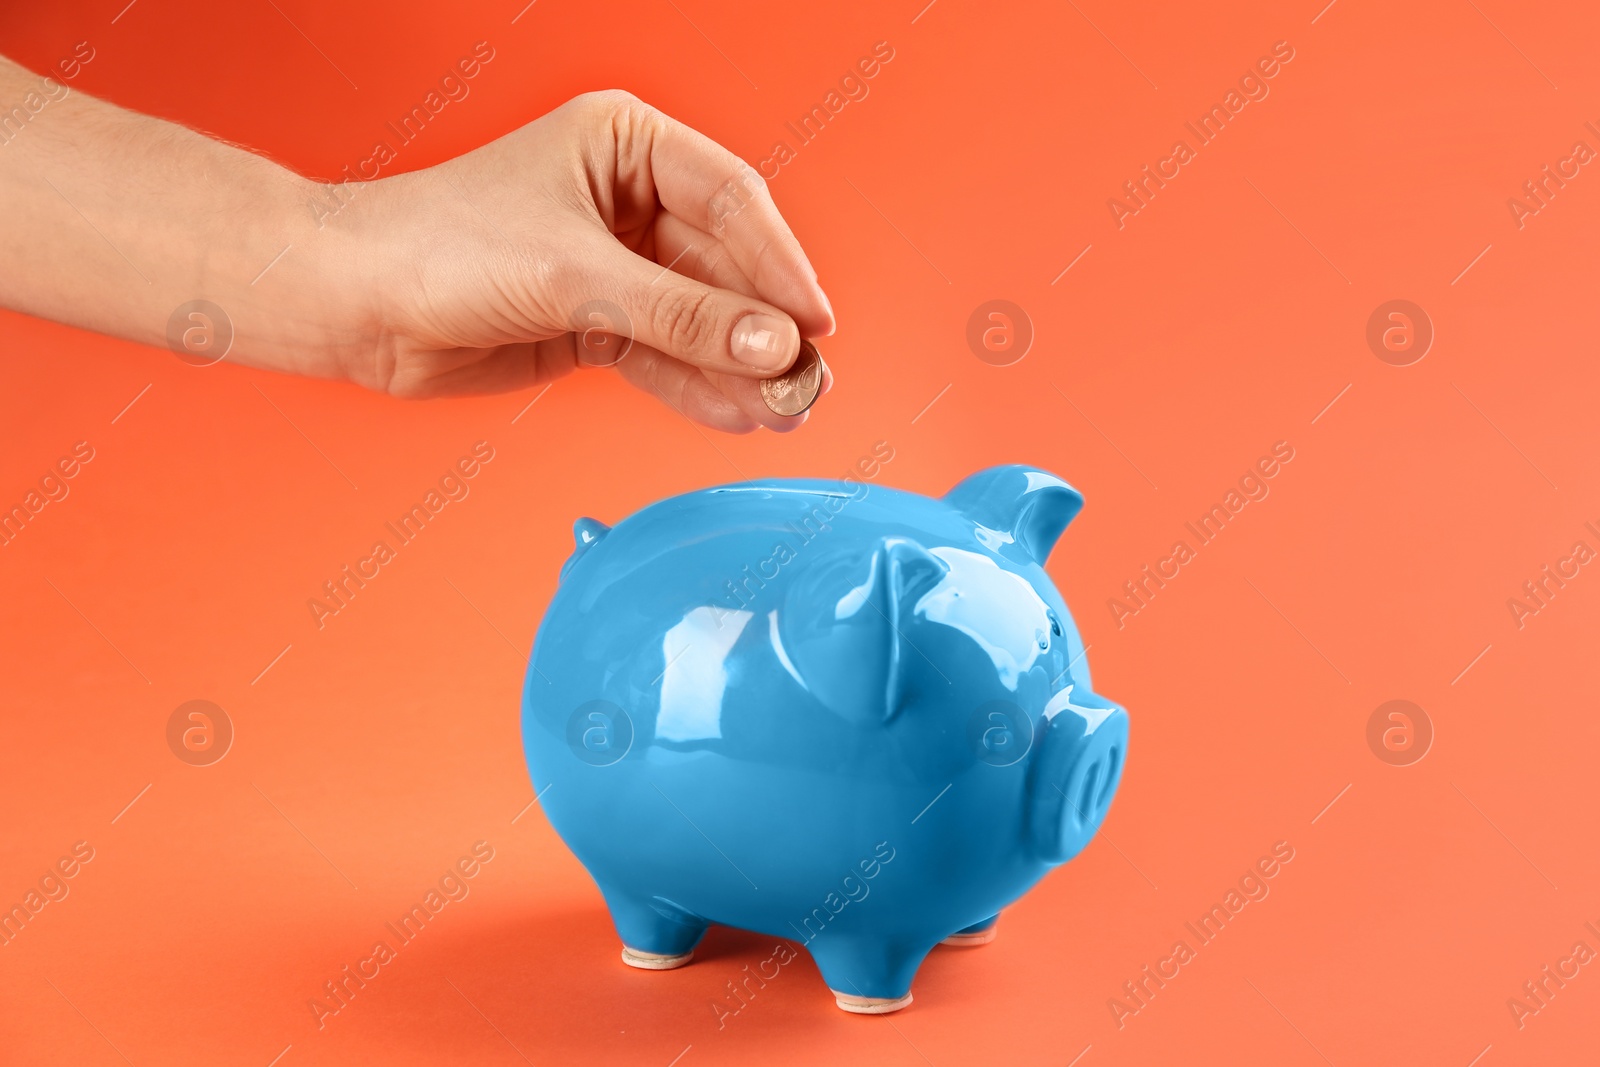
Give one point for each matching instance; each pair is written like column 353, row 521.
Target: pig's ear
column 842, row 623
column 1031, row 505
column 586, row 533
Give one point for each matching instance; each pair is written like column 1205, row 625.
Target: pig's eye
column 1055, row 624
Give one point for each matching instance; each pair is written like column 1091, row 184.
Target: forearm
column 114, row 220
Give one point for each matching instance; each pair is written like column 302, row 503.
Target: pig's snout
column 1075, row 772
column 1094, row 779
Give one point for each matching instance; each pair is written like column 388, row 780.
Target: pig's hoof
column 966, row 940
column 654, row 961
column 870, row 1005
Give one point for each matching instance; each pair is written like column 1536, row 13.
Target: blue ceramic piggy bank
column 849, row 716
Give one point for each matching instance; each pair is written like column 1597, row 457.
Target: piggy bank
column 848, row 716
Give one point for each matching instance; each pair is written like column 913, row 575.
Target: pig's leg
column 656, row 935
column 868, row 977
column 976, row 934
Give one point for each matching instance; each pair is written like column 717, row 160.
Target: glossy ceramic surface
column 853, row 717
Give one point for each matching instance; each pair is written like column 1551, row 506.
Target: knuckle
column 685, row 318
column 625, row 108
column 763, row 246
column 717, row 269
column 627, row 124
column 610, row 99
column 607, row 108
column 751, row 181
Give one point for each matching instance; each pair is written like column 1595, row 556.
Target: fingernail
column 765, row 342
column 831, row 316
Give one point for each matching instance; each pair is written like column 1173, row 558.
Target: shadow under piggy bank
column 856, row 718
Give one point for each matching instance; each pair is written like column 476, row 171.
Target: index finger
column 710, row 188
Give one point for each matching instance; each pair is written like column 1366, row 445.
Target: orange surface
column 1223, row 317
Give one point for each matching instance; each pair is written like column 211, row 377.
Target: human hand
column 500, row 269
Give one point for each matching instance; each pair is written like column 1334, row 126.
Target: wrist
column 315, row 284
column 360, row 272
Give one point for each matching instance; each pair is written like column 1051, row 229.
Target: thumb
column 715, row 329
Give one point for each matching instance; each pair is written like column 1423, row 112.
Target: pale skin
column 460, row 278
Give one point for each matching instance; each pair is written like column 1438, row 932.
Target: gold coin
column 796, row 389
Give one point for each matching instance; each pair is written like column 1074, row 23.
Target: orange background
column 1224, row 317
